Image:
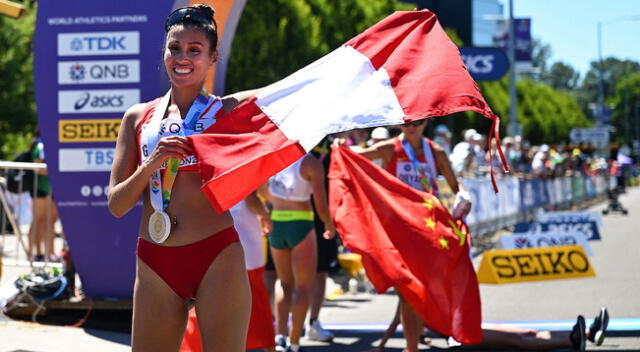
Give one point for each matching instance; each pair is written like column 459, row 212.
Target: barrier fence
column 519, row 198
column 15, row 208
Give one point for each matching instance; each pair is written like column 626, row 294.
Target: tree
column 17, row 97
column 561, row 76
column 276, row 38
column 626, row 104
column 613, row 71
column 540, row 54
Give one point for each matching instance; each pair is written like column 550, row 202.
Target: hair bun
column 208, row 10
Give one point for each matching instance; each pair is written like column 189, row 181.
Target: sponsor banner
column 99, row 72
column 85, row 159
column 544, row 239
column 93, row 60
column 522, row 28
column 588, row 228
column 598, row 136
column 96, row 101
column 522, row 31
column 501, row 266
column 98, row 130
column 569, row 216
column 98, row 43
column 485, row 64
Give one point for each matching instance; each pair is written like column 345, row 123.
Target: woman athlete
column 416, row 161
column 186, row 251
column 293, row 241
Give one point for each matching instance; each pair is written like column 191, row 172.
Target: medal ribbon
column 427, row 175
column 204, row 107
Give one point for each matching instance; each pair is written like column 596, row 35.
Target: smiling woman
column 186, row 251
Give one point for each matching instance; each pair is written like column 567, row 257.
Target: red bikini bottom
column 183, row 267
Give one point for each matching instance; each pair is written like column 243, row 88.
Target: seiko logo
column 99, row 101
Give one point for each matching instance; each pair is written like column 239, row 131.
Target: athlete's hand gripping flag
column 402, row 69
column 408, row 240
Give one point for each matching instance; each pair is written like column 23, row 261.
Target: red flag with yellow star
column 408, row 240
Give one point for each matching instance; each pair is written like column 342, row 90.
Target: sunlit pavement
column 358, row 320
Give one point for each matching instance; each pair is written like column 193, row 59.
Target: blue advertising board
column 92, row 61
column 485, row 64
column 588, row 228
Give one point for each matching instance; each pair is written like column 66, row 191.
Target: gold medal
column 159, row 226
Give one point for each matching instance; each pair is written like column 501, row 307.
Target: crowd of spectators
column 470, row 157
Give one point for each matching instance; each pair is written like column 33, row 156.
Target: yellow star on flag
column 428, row 222
column 462, row 235
column 443, row 242
column 427, row 203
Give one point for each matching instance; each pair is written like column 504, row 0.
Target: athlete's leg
column 304, row 262
column 159, row 314
column 223, row 302
column 282, row 261
column 411, row 325
column 38, row 226
column 317, row 294
column 498, row 339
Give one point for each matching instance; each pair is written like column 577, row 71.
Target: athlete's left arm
column 444, row 167
column 313, row 171
column 229, row 102
column 256, row 206
column 462, row 203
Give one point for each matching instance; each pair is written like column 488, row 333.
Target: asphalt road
column 359, row 319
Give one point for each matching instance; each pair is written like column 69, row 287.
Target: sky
column 570, row 27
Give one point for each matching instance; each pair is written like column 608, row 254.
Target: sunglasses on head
column 192, row 14
column 414, row 123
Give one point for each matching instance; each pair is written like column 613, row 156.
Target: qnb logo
column 99, row 101
column 76, row 72
column 99, row 43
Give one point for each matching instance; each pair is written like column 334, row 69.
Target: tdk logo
column 98, row 43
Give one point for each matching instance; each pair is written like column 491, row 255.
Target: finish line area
column 619, row 324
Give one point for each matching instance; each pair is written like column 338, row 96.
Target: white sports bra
column 288, row 184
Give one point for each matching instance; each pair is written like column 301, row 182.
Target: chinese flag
column 408, row 240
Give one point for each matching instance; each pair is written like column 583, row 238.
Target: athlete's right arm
column 128, row 181
column 381, row 150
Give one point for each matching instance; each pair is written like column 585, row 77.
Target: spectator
column 443, row 138
column 378, row 134
column 539, row 165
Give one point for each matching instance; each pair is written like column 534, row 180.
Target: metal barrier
column 520, row 198
column 10, row 202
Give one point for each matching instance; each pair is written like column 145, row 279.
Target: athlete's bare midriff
column 283, row 204
column 195, row 216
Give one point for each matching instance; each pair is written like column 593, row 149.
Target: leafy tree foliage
column 626, row 107
column 561, row 76
column 276, row 38
column 17, row 98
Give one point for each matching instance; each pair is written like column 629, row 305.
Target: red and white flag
column 402, row 69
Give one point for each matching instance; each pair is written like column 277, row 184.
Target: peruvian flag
column 408, row 240
column 402, row 69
